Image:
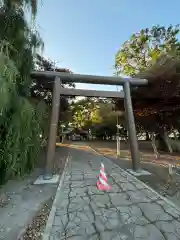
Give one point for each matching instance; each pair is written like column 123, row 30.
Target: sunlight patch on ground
column 74, row 146
column 61, row 144
column 124, row 154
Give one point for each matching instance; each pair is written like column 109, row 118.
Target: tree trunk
column 166, row 140
column 147, row 136
column 153, row 138
column 175, row 135
column 163, row 141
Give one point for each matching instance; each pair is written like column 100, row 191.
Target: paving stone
column 165, row 227
column 62, row 204
column 60, row 220
column 78, row 204
column 109, row 218
column 139, row 185
column 101, row 200
column 56, row 231
column 77, row 184
column 120, row 199
column 169, row 209
column 78, row 192
column 86, row 216
column 90, row 176
column 122, row 233
column 90, row 230
column 81, row 229
column 132, row 214
column 75, row 230
column 138, row 196
column 77, row 178
column 76, row 238
column 112, row 223
column 177, row 227
column 169, row 228
column 106, row 235
column 77, row 173
column 151, row 194
column 94, row 237
column 116, row 188
column 92, row 190
column 99, row 223
column 128, row 187
column 171, row 236
column 119, row 179
column 61, row 211
column 90, row 182
column 149, row 232
column 66, row 185
column 129, row 211
column 53, row 237
column 154, row 212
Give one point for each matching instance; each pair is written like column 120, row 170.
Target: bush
column 22, row 142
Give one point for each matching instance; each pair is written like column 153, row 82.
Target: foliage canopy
column 146, row 55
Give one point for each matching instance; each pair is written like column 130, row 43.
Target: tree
column 22, row 122
column 145, row 47
column 141, row 51
column 84, row 113
column 91, row 113
column 42, row 64
column 31, row 4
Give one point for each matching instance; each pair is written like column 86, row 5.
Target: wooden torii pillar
column 51, row 147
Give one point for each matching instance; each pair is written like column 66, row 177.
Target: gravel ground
column 4, row 199
column 35, row 230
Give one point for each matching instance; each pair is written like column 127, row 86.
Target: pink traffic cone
column 102, row 184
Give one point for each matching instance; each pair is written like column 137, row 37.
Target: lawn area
column 108, row 148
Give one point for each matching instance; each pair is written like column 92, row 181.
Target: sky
column 84, row 35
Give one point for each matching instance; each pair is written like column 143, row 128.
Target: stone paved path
column 130, row 211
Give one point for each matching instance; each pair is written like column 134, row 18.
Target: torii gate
column 57, row 78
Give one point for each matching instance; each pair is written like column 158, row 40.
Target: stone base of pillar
column 140, row 172
column 53, row 180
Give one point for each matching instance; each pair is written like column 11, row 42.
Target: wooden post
column 118, row 138
column 167, row 142
column 51, row 148
column 131, row 128
column 153, row 139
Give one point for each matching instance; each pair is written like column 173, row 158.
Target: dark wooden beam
column 92, row 79
column 132, row 137
column 91, row 93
